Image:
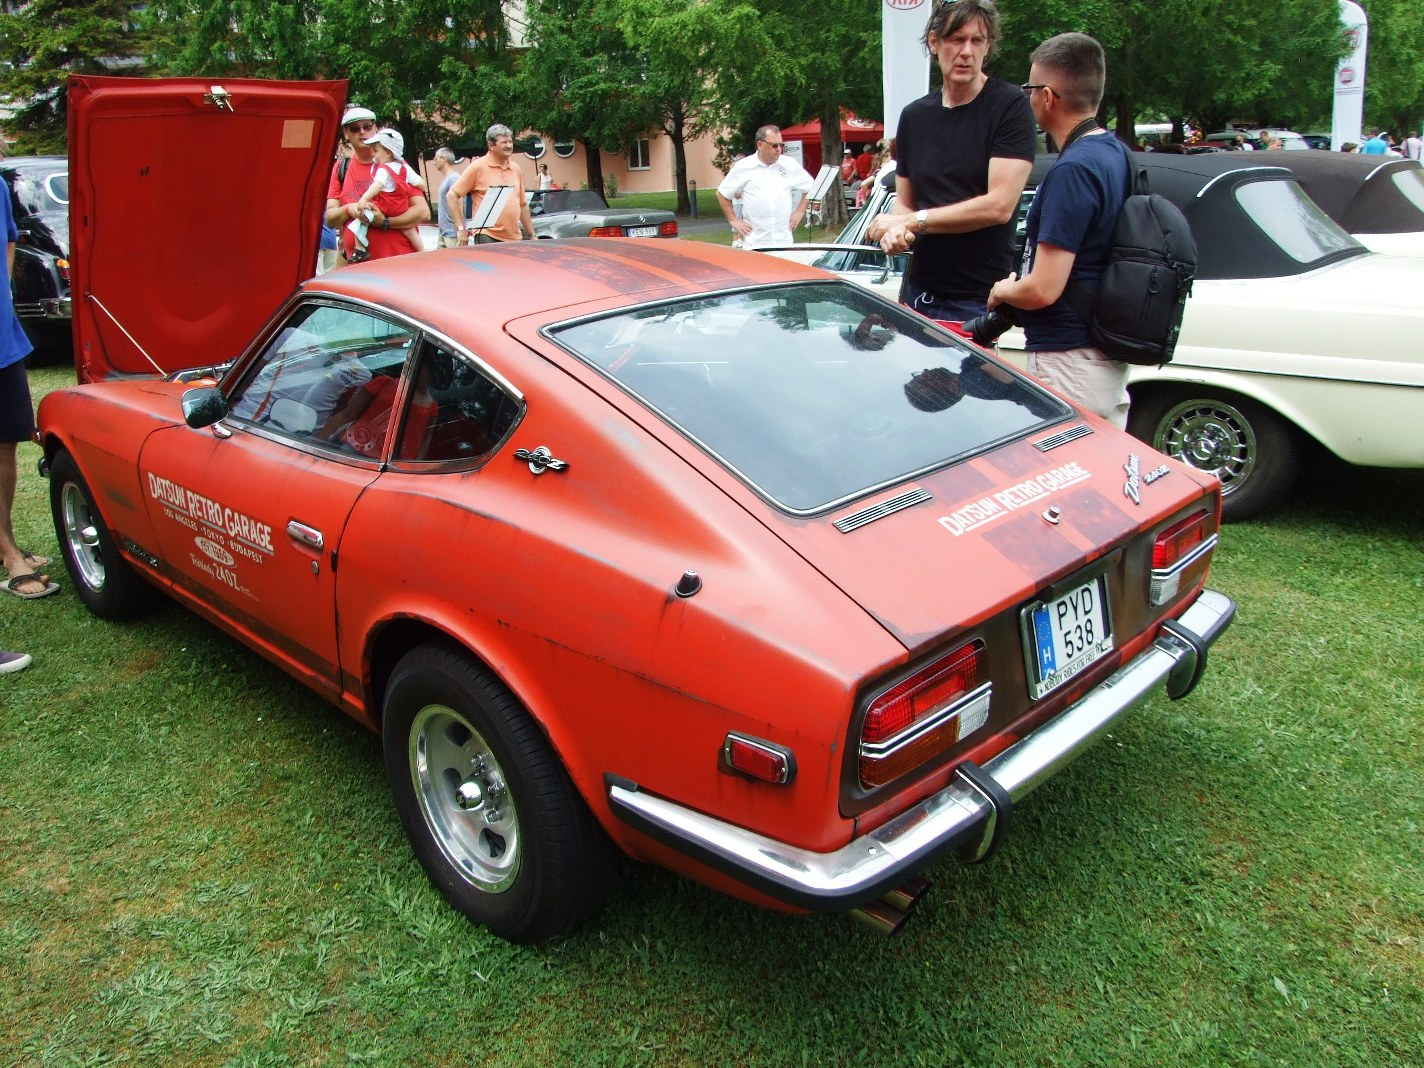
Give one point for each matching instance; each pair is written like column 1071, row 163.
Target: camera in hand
column 983, row 329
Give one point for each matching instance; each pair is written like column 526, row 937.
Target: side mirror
column 203, row 406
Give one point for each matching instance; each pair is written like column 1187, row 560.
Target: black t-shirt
column 945, row 154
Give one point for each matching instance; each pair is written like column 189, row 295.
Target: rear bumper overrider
column 969, row 815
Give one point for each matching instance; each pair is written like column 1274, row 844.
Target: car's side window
column 456, row 411
column 325, row 377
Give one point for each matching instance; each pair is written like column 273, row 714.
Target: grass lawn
column 202, row 866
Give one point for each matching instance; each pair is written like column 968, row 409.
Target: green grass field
column 202, row 866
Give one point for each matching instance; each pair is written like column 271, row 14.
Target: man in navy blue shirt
column 1070, row 227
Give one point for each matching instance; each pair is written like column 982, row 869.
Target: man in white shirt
column 773, row 192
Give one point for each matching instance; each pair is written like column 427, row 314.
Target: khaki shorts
column 1087, row 378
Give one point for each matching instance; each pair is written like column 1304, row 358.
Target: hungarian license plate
column 1067, row 634
column 642, row 231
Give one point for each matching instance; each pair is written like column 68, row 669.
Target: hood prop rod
column 132, row 340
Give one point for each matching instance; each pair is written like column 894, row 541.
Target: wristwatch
column 922, row 219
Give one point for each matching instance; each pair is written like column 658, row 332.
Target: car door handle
column 305, row 534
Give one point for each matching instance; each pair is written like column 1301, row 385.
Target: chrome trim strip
column 856, row 520
column 869, row 865
column 1162, row 574
column 972, row 701
column 1063, row 438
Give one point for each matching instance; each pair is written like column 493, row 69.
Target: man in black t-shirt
column 963, row 155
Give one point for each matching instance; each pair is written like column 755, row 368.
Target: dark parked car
column 39, row 198
column 584, row 213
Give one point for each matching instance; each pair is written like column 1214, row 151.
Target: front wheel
column 1248, row 447
column 104, row 581
column 490, row 812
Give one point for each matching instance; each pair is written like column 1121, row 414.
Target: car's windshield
column 813, row 394
column 1293, row 222
column 556, row 200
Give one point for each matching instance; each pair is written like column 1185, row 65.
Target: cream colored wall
column 572, row 173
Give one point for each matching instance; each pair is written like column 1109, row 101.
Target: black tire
column 106, row 583
column 1253, row 451
column 489, row 810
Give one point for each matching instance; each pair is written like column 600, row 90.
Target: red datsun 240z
column 725, row 564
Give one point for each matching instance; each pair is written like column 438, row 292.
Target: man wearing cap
column 445, row 161
column 349, row 179
column 495, row 168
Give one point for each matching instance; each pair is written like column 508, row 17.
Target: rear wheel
column 489, row 810
column 105, row 582
column 1248, row 447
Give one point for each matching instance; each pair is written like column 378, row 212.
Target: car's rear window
column 1294, row 223
column 813, row 394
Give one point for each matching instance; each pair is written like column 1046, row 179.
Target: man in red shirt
column 864, row 162
column 349, row 179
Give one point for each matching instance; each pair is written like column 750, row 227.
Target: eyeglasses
column 774, row 144
column 360, row 127
column 1029, row 87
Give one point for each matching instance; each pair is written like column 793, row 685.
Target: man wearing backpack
column 1070, row 227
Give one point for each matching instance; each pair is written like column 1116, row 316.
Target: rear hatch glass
column 813, row 394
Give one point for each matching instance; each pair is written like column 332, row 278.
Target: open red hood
column 195, row 208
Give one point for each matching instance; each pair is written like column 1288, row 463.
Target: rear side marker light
column 758, row 759
column 1175, row 550
column 62, row 266
column 923, row 715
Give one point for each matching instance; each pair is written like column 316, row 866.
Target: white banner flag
column 905, row 66
column 1345, row 124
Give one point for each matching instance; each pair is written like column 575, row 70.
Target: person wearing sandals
column 24, row 572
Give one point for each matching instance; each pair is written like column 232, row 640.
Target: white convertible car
column 1295, row 331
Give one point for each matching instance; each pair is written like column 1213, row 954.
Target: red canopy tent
column 855, row 132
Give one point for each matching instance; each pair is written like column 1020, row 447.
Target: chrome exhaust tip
column 888, row 913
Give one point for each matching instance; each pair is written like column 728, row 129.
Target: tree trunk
column 1126, row 121
column 593, row 159
column 675, row 126
column 833, row 210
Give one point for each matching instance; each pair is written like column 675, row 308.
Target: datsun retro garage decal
column 223, row 535
column 974, row 514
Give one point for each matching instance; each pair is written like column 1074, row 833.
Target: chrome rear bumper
column 968, row 815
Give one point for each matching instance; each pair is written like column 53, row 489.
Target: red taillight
column 606, row 231
column 923, row 715
column 1179, row 540
column 1180, row 555
column 63, row 267
column 668, row 229
column 758, row 759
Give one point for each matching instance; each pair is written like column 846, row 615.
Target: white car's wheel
column 1248, row 447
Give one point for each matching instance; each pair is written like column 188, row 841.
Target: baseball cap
column 357, row 114
column 388, row 137
column 845, row 151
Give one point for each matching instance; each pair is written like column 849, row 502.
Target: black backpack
column 1136, row 313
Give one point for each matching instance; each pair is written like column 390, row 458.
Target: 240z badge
column 1132, row 488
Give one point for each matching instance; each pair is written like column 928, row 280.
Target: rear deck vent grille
column 879, row 511
column 1073, row 433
